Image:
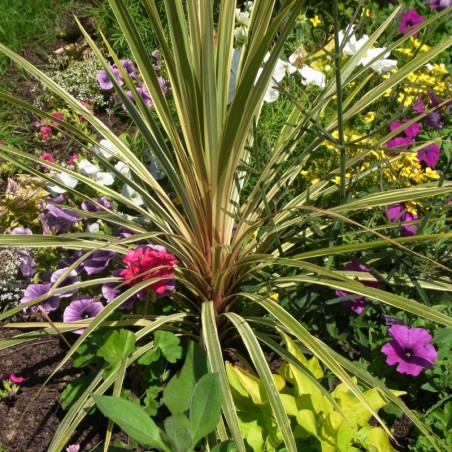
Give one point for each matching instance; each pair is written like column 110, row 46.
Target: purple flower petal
column 399, row 142
column 410, row 349
column 91, row 207
column 21, row 231
column 71, row 278
column 83, row 307
column 98, row 261
column 37, row 290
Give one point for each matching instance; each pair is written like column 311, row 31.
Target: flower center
column 299, row 62
column 408, row 352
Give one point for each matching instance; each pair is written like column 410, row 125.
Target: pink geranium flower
column 148, row 262
column 411, row 349
column 72, row 159
column 46, row 132
column 47, row 157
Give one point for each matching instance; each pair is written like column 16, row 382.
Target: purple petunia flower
column 409, row 20
column 145, row 96
column 56, row 221
column 419, row 106
column 155, row 54
column 71, row 278
column 67, row 261
column 19, row 230
column 104, row 79
column 429, row 155
column 411, row 349
column 111, row 291
column 129, row 67
column 98, row 261
column 410, row 132
column 398, row 213
column 81, row 308
column 440, row 4
column 358, row 303
column 90, row 207
column 37, row 290
column 433, row 120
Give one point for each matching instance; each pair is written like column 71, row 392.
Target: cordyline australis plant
column 204, row 144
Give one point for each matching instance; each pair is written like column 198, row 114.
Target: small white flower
column 381, row 65
column 104, row 178
column 93, row 228
column 87, row 168
column 132, row 195
column 242, row 18
column 124, row 169
column 109, row 152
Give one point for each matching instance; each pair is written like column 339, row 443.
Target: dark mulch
column 30, row 420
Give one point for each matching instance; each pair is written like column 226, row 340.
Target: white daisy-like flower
column 132, row 195
column 308, row 74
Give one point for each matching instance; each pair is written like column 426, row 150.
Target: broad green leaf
column 168, row 343
column 179, row 389
column 225, row 446
column 132, row 419
column 177, row 432
column 205, row 407
column 118, row 346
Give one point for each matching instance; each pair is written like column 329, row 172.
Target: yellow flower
column 368, row 118
column 337, row 179
column 407, row 52
column 431, row 173
column 439, row 68
column 275, row 297
column 416, row 43
column 315, row 21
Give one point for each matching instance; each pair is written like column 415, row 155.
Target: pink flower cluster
column 149, row 262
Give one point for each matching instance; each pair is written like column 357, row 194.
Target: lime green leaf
column 375, row 439
column 307, row 419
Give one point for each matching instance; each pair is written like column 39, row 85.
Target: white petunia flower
column 104, row 178
column 109, row 152
column 132, row 195
column 64, row 178
column 87, row 168
column 124, row 169
column 308, row 74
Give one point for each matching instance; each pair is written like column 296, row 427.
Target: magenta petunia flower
column 83, row 307
column 429, row 155
column 411, row 349
column 358, row 302
column 400, row 143
column 398, row 213
column 410, row 132
column 409, row 20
